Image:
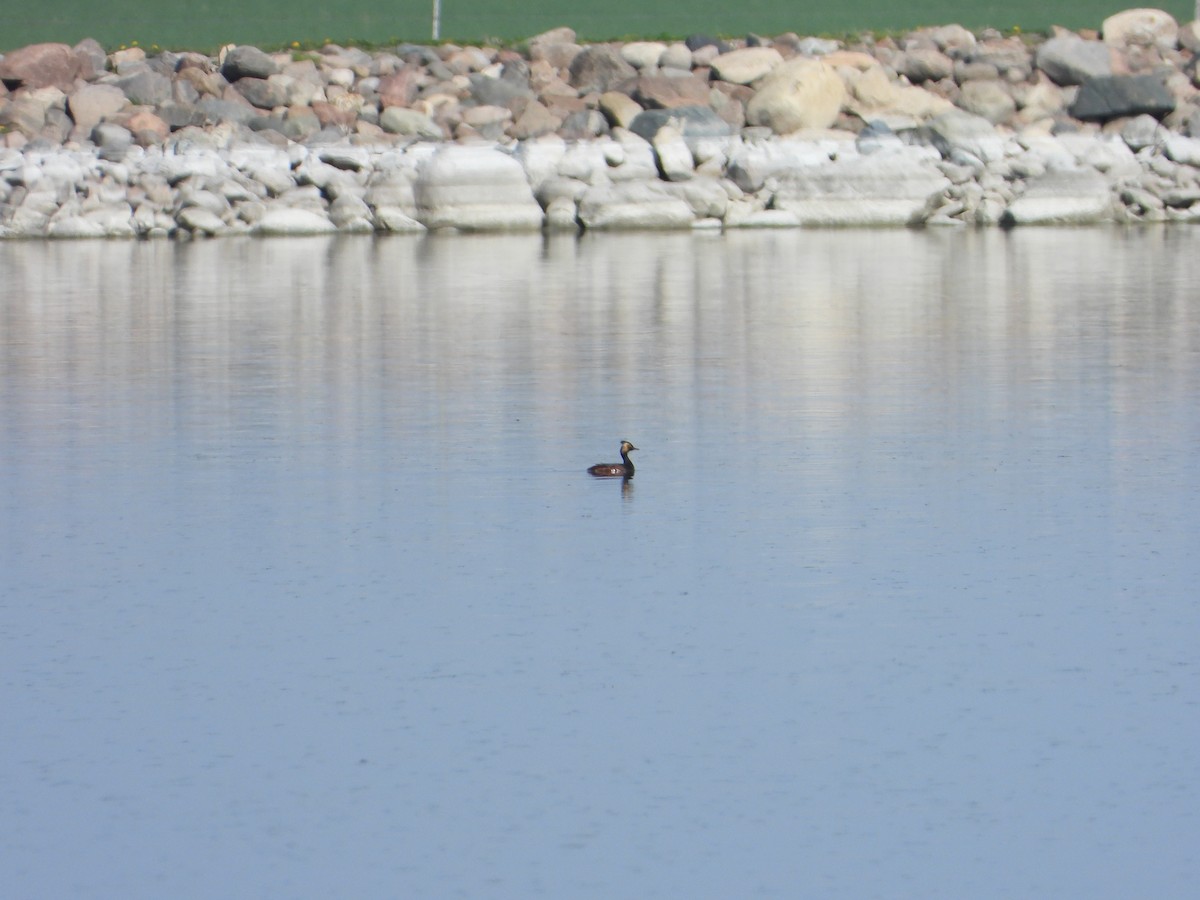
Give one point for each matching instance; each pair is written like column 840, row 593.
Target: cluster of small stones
column 941, row 126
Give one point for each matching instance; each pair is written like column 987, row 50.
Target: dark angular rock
column 692, row 121
column 247, row 62
column 1113, row 96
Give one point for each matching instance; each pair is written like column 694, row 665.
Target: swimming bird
column 623, row 469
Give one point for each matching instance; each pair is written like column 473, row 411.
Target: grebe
column 623, row 469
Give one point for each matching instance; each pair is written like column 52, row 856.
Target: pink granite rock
column 41, row 65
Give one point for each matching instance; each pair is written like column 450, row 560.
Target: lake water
column 305, row 592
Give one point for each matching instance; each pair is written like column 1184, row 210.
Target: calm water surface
column 304, row 591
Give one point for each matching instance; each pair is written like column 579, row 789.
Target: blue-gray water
column 304, row 591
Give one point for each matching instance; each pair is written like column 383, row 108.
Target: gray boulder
column 92, row 58
column 1141, row 132
column 584, row 125
column 145, row 87
column 923, row 64
column 599, row 68
column 673, row 155
column 180, row 115
column 697, row 41
column 300, row 123
column 261, row 93
column 200, row 221
column 1182, row 149
column 961, row 131
column 403, row 121
column 112, row 140
column 247, row 62
column 350, row 214
column 286, row 220
column 215, row 111
column 691, row 121
column 1072, row 60
column 488, row 91
column 990, row 99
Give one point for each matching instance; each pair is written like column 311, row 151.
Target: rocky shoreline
column 938, row 127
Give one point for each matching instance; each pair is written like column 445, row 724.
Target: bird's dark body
column 623, row 469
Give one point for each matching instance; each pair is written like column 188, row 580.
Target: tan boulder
column 800, row 93
column 147, row 128
column 643, row 54
column 619, row 108
column 670, row 91
column 535, row 120
column 93, row 103
column 1141, row 28
column 854, row 59
column 26, row 110
column 745, row 65
column 875, row 96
